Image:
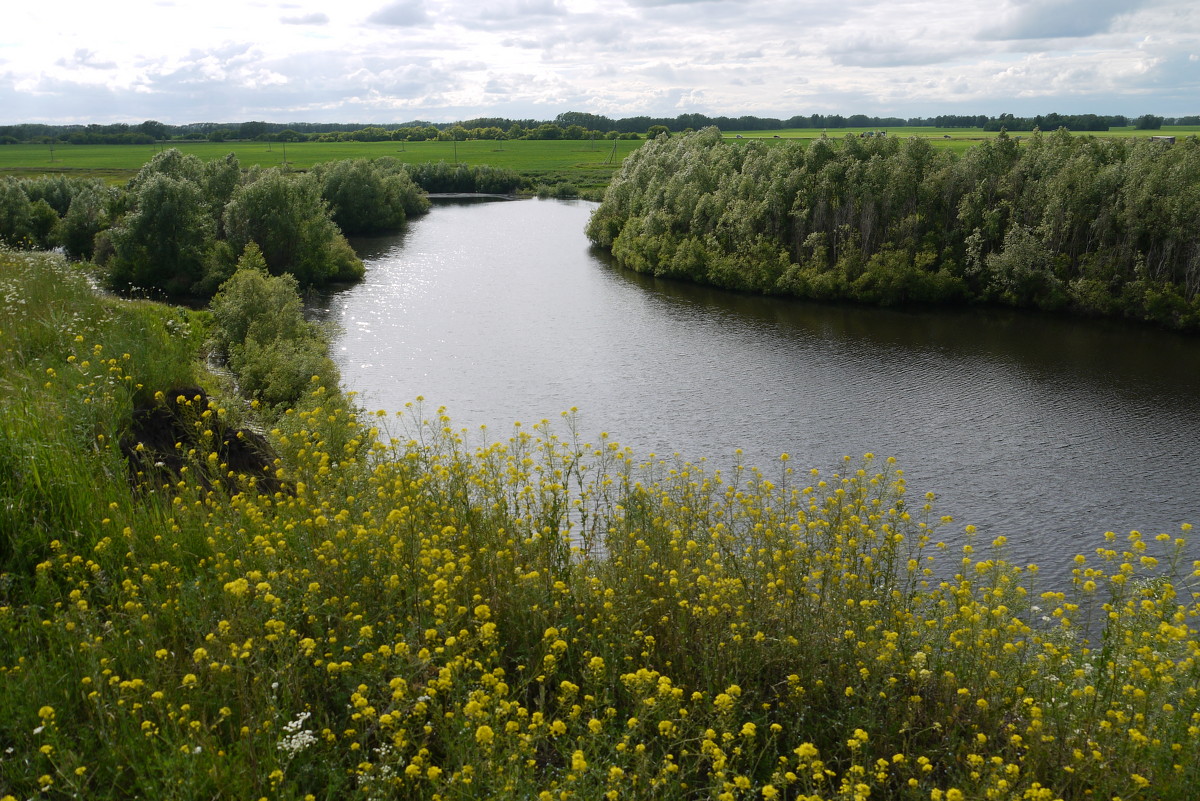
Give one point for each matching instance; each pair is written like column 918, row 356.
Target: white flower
column 296, row 739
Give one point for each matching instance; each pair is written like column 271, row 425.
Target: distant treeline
column 180, row 227
column 568, row 125
column 1098, row 226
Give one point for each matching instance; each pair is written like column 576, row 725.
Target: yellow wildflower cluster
column 419, row 616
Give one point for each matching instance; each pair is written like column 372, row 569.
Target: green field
column 957, row 139
column 584, row 163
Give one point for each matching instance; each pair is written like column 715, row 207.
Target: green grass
column 956, row 139
column 585, row 164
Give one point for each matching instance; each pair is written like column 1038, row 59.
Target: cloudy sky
column 181, row 61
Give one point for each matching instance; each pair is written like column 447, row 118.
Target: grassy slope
column 423, row 617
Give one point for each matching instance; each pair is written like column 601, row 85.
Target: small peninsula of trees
column 179, row 227
column 1097, row 226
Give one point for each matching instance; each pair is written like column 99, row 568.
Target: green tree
column 219, row 179
column 87, row 216
column 16, row 222
column 154, row 128
column 163, row 242
column 43, row 221
column 259, row 326
column 253, row 304
column 173, row 163
column 364, row 199
column 285, row 215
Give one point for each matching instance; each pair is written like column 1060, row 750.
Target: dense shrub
column 449, row 178
column 1100, row 226
column 285, row 216
column 366, row 197
column 259, row 326
column 161, row 244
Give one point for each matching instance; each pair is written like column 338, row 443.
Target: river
column 1050, row 431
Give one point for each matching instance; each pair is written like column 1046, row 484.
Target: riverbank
column 405, row 614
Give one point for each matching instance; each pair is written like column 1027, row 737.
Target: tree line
column 568, row 125
column 1055, row 221
column 180, row 227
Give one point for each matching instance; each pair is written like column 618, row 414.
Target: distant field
column 585, row 163
column 957, row 139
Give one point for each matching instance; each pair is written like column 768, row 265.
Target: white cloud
column 401, row 13
column 380, row 61
column 316, row 18
column 1052, row 19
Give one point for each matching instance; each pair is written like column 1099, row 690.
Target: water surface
column 1049, row 431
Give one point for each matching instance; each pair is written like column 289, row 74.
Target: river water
column 1046, row 430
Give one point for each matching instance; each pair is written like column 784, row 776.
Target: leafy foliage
column 286, row 217
column 1100, row 226
column 369, row 197
column 161, row 244
column 441, row 177
column 259, row 326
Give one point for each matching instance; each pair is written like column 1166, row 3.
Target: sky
column 390, row 61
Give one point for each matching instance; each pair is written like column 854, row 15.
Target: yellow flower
column 806, row 751
column 484, row 735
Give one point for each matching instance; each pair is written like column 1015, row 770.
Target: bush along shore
column 1097, row 226
column 345, row 605
column 178, row 229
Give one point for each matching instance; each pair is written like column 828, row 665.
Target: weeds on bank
column 419, row 612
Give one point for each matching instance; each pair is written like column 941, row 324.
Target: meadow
column 585, row 164
column 411, row 610
column 955, row 139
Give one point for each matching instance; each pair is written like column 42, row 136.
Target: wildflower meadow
column 411, row 610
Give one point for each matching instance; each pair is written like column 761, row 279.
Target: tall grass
column 419, row 613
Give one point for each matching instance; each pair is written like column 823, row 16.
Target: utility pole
column 612, row 153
